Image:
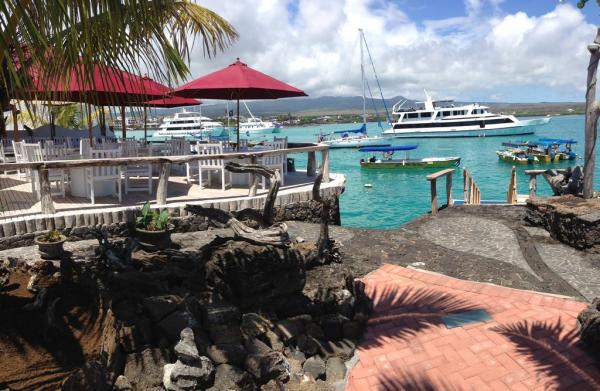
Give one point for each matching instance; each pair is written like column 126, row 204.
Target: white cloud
column 467, row 57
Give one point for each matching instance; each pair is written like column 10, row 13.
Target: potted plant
column 152, row 228
column 50, row 245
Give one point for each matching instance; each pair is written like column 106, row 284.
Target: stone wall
column 572, row 220
column 20, row 232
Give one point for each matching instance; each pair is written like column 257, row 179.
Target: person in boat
column 372, row 159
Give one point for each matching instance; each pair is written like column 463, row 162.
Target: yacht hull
column 522, row 128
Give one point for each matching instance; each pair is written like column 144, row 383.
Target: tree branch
column 274, row 179
column 276, row 235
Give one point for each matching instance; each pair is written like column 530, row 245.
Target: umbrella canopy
column 108, row 87
column 235, row 82
column 174, row 101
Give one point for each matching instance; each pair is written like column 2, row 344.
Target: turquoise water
column 398, row 196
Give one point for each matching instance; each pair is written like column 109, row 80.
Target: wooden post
column 145, row 123
column 325, row 157
column 465, row 186
column 532, row 186
column 449, row 201
column 45, row 192
column 253, row 178
column 163, row 181
column 434, row 207
column 511, row 196
column 311, row 166
column 13, row 109
column 592, row 112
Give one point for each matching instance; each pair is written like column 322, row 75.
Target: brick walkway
column 529, row 343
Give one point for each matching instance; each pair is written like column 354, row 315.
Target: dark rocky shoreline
column 219, row 315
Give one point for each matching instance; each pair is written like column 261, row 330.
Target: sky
column 468, row 50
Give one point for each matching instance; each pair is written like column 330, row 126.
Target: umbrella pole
column 237, row 147
column 52, row 125
column 13, row 109
column 102, row 122
column 89, row 121
column 123, row 127
column 145, row 124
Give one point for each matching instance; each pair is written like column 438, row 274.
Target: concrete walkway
column 527, row 343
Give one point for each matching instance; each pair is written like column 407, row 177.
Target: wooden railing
column 533, row 179
column 511, row 195
column 432, row 178
column 165, row 163
column 472, row 194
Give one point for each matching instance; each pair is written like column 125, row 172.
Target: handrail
column 533, row 180
column 432, row 178
column 472, row 194
column 165, row 163
column 126, row 161
column 511, row 195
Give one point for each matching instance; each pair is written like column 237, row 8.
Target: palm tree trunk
column 592, row 110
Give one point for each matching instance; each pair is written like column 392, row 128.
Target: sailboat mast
column 362, row 77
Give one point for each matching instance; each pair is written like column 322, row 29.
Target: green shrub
column 152, row 220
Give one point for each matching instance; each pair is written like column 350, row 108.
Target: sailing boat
column 355, row 138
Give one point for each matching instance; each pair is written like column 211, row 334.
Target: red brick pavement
column 529, row 344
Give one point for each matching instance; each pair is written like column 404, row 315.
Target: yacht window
column 412, row 115
column 447, row 113
column 456, row 112
column 426, row 115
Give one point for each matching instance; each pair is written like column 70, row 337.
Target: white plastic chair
column 211, row 165
column 138, row 171
column 103, row 173
column 273, row 161
column 35, row 153
column 179, row 147
column 20, row 158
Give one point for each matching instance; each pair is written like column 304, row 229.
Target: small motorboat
column 546, row 150
column 388, row 161
column 355, row 138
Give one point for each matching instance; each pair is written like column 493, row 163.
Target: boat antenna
column 387, row 113
column 362, row 76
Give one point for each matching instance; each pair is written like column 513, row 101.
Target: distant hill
column 329, row 105
column 305, row 106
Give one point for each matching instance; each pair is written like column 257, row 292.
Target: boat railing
column 533, row 180
column 432, row 178
column 471, row 192
column 511, row 195
column 165, row 163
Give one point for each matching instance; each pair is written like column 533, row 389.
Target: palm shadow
column 551, row 347
column 403, row 312
column 406, row 381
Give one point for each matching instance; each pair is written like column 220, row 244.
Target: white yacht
column 444, row 119
column 254, row 125
column 187, row 124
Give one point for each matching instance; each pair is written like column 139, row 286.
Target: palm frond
column 139, row 36
column 550, row 347
column 401, row 313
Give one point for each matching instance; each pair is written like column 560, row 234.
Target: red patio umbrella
column 172, row 101
column 108, row 87
column 237, row 82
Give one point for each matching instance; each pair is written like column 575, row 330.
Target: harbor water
column 398, row 196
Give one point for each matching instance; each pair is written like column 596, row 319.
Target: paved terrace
column 485, row 259
column 17, row 200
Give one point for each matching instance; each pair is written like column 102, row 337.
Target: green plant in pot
column 152, row 228
column 50, row 244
